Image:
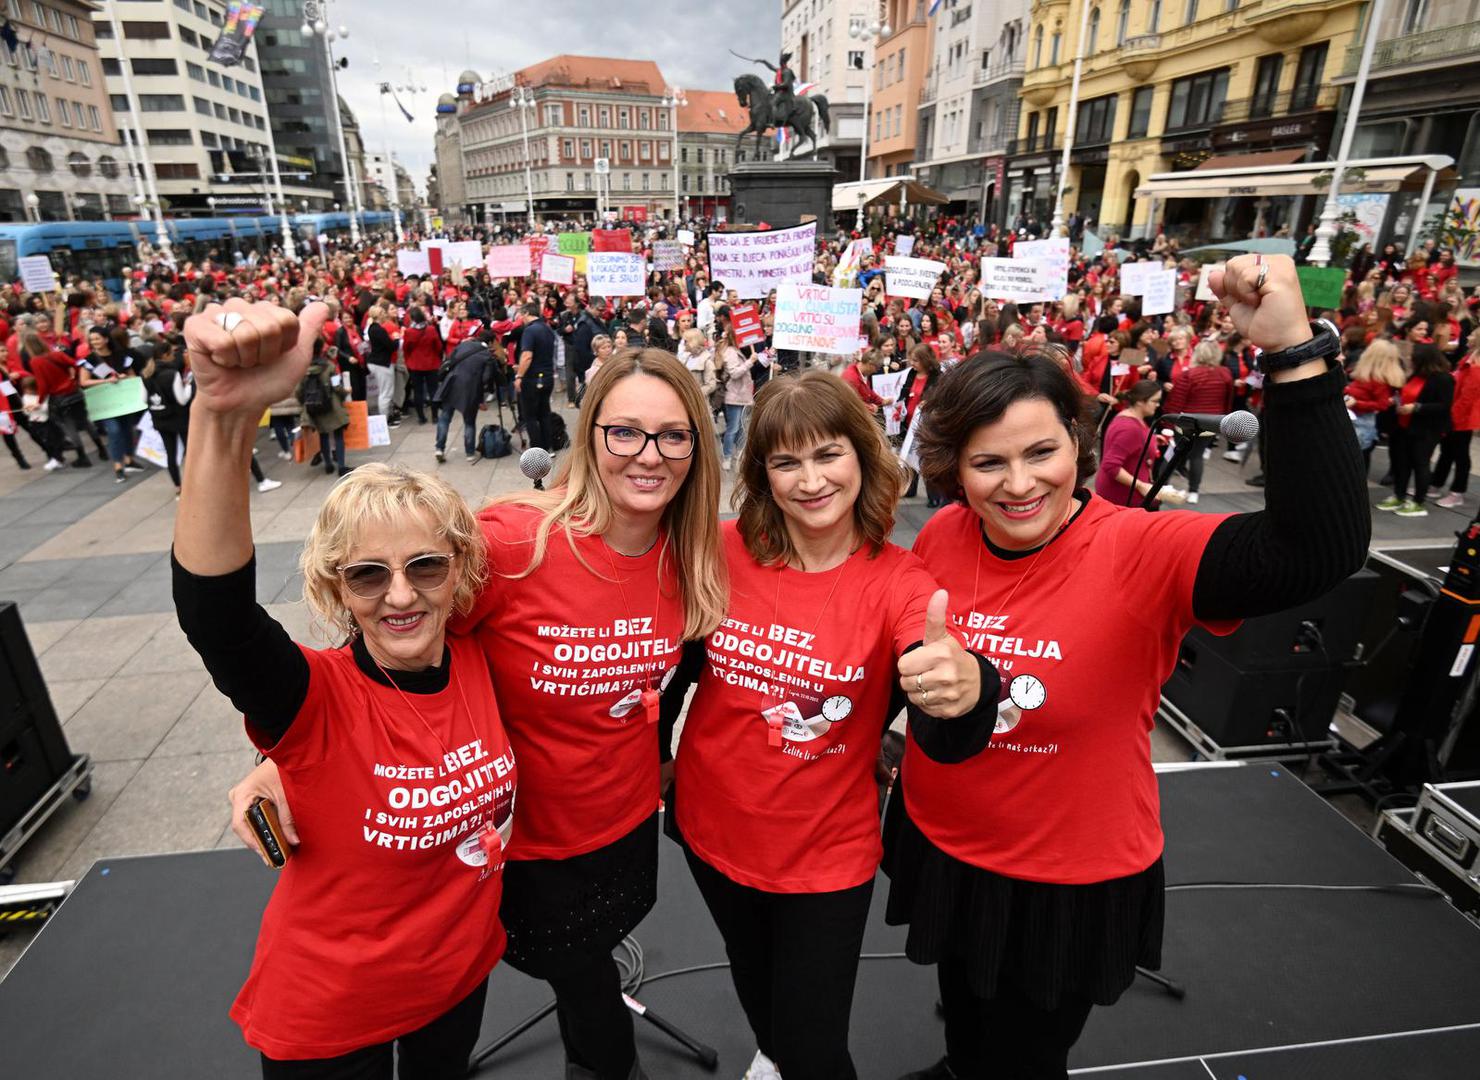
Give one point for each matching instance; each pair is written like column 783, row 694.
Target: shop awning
column 892, row 189
column 1307, row 178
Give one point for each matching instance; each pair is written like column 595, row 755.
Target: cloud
column 454, row 35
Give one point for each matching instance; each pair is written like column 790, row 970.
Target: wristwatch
column 1324, row 343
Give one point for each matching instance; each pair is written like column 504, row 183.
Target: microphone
column 536, row 463
column 1238, row 427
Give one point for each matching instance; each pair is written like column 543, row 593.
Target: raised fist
column 1268, row 312
column 246, row 356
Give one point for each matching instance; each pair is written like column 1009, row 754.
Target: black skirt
column 1043, row 941
column 560, row 914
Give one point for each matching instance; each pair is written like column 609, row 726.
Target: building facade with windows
column 204, row 126
column 1168, row 86
column 299, row 86
column 825, row 52
column 899, row 77
column 707, row 127
column 969, row 103
column 57, row 136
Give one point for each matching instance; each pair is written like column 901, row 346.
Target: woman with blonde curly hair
column 381, row 935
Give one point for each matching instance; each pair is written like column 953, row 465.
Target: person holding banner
column 739, row 390
column 1031, row 876
column 775, row 800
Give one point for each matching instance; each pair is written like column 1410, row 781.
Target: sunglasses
column 371, row 580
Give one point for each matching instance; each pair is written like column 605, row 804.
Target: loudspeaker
column 1277, row 678
column 33, row 750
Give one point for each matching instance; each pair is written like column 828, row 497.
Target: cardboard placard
column 379, row 430
column 1134, row 277
column 508, row 261
column 667, row 255
column 904, row 244
column 558, row 269
column 619, row 240
column 462, row 254
column 1321, row 285
column 1018, row 280
column 1160, row 293
column 413, row 263
column 357, row 435
column 122, row 398
column 686, row 237
column 1204, row 291
column 1053, row 253
column 817, row 318
column 911, row 277
column 537, row 245
column 746, row 320
column 36, row 273
column 754, row 263
column 615, row 273
column 575, row 245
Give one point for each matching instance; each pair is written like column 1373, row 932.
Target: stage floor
column 133, row 976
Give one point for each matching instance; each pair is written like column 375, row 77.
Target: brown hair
column 789, row 413
column 978, row 391
column 925, row 355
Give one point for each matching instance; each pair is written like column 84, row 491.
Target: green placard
column 1321, row 285
column 122, row 398
column 576, row 245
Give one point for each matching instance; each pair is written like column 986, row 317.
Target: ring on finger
column 924, row 697
column 1263, row 274
column 920, row 684
column 228, row 320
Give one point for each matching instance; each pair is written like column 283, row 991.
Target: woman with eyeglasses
column 594, row 585
column 380, row 937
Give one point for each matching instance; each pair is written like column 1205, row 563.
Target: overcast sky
column 436, row 41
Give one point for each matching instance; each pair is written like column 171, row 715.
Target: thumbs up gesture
column 940, row 677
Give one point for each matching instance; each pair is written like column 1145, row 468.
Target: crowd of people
column 544, row 647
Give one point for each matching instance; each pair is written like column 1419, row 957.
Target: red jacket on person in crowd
column 1202, row 390
column 854, row 378
column 422, row 348
column 1465, row 412
column 1369, row 396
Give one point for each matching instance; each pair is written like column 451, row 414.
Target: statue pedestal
column 781, row 193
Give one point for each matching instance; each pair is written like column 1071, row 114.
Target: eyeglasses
column 623, row 440
column 371, row 580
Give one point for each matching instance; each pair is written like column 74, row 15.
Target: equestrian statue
column 779, row 106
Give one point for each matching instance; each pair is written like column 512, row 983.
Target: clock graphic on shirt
column 1024, row 694
column 836, row 708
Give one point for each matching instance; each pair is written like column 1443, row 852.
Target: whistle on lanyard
column 777, row 717
column 492, row 843
column 650, row 698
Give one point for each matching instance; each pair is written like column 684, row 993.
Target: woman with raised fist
column 1032, row 876
column 775, row 796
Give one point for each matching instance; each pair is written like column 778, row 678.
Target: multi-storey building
column 57, row 135
column 299, row 85
column 831, row 48
column 1167, row 88
column 707, row 127
column 899, row 76
column 204, row 126
column 969, row 102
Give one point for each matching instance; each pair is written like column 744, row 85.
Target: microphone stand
column 1183, row 443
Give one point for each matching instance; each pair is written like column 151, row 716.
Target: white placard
column 507, row 261
column 378, row 430
column 615, row 273
column 36, row 273
column 667, row 255
column 911, row 277
column 558, row 269
column 1054, row 254
column 1136, row 276
column 686, row 237
column 413, row 263
column 816, row 318
column 1204, row 290
column 1018, row 280
column 907, row 450
column 904, row 244
column 1160, row 296
column 464, row 254
column 754, row 263
column 888, row 386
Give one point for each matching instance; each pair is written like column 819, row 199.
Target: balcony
column 1304, row 99
column 1007, row 69
column 931, row 88
column 1440, row 46
column 1036, row 144
column 989, row 144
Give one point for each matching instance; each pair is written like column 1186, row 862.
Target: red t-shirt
column 819, row 650
column 571, row 648
column 383, row 919
column 56, row 375
column 1409, row 396
column 1065, row 792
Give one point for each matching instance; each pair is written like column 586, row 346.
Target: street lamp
column 211, row 202
column 522, row 99
column 315, row 23
column 875, row 30
column 34, row 205
column 672, row 99
column 146, row 167
column 393, row 189
column 1056, row 227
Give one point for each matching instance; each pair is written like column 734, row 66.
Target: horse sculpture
column 754, row 95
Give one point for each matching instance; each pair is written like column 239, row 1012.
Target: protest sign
column 667, row 255
column 574, row 245
column 908, row 452
column 36, row 273
column 413, row 262
column 357, row 435
column 1321, row 285
column 816, row 318
column 508, row 261
column 1204, row 291
column 462, row 254
column 379, row 430
column 686, row 237
column 558, row 269
column 619, row 240
column 1135, row 276
column 904, row 244
column 122, row 398
column 615, row 273
column 746, row 321
column 1159, row 296
column 1019, row 280
column 754, row 263
column 1053, row 254
column 888, row 385
column 911, row 277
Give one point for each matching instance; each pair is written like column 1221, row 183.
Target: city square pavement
column 87, row 560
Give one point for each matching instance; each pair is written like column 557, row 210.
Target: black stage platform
column 133, row 976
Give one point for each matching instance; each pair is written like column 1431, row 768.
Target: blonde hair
column 695, row 341
column 790, row 413
column 1207, row 354
column 1380, row 362
column 380, row 494
column 1069, row 306
column 577, row 501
